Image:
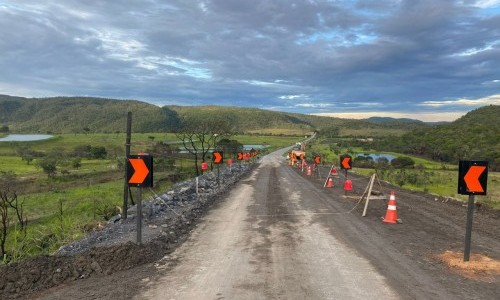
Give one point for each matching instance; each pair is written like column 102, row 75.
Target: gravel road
column 264, row 243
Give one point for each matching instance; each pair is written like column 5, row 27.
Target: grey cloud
column 394, row 53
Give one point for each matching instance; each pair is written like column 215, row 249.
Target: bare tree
column 9, row 200
column 189, row 144
column 199, row 136
column 18, row 209
column 4, row 215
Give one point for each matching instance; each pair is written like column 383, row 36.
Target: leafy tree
column 76, row 163
column 90, row 152
column 382, row 163
column 49, row 166
column 27, row 154
column 330, row 132
column 402, row 162
column 82, row 151
column 229, row 146
column 364, row 162
column 98, row 152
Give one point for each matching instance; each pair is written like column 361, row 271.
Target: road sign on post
column 346, row 164
column 140, row 170
column 140, row 174
column 472, row 180
column 218, row 158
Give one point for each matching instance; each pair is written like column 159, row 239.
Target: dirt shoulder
column 431, row 234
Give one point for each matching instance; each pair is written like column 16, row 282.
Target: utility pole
column 127, row 153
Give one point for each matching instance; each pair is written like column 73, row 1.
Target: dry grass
column 479, row 267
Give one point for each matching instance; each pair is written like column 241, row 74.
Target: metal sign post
column 197, row 186
column 139, row 217
column 218, row 174
column 140, row 174
column 468, row 227
column 126, row 188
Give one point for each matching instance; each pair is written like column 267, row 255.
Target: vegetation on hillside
column 80, row 115
column 475, row 136
column 97, row 115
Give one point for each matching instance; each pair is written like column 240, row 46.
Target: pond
column 376, row 156
column 25, row 137
column 255, row 147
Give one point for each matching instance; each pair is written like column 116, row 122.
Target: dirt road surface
column 280, row 235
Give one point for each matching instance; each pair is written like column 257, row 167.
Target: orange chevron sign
column 345, row 162
column 217, row 157
column 472, row 177
column 140, row 170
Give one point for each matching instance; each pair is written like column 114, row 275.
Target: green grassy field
column 112, row 141
column 282, row 131
column 372, row 132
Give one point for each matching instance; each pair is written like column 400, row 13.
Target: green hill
column 392, row 121
column 79, row 114
column 475, row 136
column 244, row 119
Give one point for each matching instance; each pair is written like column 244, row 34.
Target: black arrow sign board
column 140, row 170
column 472, row 177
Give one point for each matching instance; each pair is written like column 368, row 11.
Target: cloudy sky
column 432, row 59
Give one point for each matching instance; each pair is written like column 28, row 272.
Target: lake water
column 25, row 137
column 255, row 147
column 376, row 156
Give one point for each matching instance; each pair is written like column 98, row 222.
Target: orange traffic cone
column 391, row 215
column 333, row 171
column 348, row 185
column 308, row 173
column 329, row 183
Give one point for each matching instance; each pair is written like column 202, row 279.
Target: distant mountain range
column 84, row 114
column 386, row 120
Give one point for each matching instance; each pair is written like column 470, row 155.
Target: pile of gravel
column 189, row 196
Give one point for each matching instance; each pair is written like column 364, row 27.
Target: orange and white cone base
column 391, row 216
column 329, row 183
